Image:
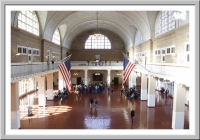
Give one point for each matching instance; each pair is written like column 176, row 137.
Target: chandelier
column 97, row 34
column 97, row 73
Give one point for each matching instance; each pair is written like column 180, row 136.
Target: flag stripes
column 65, row 71
column 128, row 67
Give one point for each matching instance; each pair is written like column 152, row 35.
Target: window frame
column 165, row 22
column 28, row 22
column 22, row 50
column 157, row 52
column 138, row 38
column 168, row 48
column 56, row 37
column 91, row 41
column 37, row 52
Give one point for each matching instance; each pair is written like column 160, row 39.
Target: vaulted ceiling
column 72, row 23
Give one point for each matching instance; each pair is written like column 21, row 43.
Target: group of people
column 91, row 88
column 93, row 101
column 62, row 94
column 132, row 92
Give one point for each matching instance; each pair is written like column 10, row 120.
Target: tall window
column 56, row 37
column 27, row 20
column 138, row 38
column 165, row 22
column 97, row 41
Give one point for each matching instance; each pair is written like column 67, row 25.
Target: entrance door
column 116, row 81
column 163, row 56
column 29, row 55
column 78, row 80
column 187, row 53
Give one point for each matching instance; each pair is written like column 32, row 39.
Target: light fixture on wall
column 97, row 73
column 75, row 73
column 180, row 15
column 119, row 74
column 97, row 34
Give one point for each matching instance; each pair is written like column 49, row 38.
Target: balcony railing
column 18, row 70
column 176, row 73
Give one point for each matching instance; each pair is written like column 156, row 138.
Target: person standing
column 121, row 91
column 132, row 115
column 166, row 92
column 91, row 102
column 95, row 103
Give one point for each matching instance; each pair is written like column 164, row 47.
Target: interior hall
column 96, row 42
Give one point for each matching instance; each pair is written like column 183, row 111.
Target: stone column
column 41, row 91
column 130, row 84
column 50, row 86
column 15, row 114
column 178, row 106
column 86, row 77
column 108, row 77
column 134, row 75
column 60, row 81
column 143, row 87
column 151, row 92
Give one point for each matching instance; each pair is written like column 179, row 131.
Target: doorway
column 116, row 80
column 78, row 80
column 29, row 55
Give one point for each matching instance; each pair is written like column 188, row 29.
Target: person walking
column 95, row 103
column 91, row 102
column 121, row 91
column 132, row 115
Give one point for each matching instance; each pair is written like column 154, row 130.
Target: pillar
column 60, row 81
column 15, row 115
column 178, row 106
column 130, row 80
column 108, row 77
column 151, row 92
column 50, row 86
column 134, row 75
column 143, row 87
column 86, row 77
column 41, row 91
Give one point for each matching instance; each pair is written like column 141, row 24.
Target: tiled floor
column 113, row 112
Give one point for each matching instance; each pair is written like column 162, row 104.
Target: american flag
column 128, row 67
column 65, row 70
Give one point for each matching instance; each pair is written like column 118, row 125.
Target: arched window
column 56, row 37
column 28, row 21
column 165, row 22
column 97, row 41
column 138, row 38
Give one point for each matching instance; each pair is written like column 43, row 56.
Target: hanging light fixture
column 97, row 34
column 97, row 73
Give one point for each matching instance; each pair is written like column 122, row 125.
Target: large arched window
column 97, row 41
column 28, row 21
column 56, row 37
column 165, row 22
column 138, row 38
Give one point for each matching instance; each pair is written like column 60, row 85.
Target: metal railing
column 177, row 72
column 28, row 69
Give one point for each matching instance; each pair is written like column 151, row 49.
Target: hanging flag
column 65, row 71
column 128, row 67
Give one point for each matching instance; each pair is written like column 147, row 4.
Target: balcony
column 180, row 74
